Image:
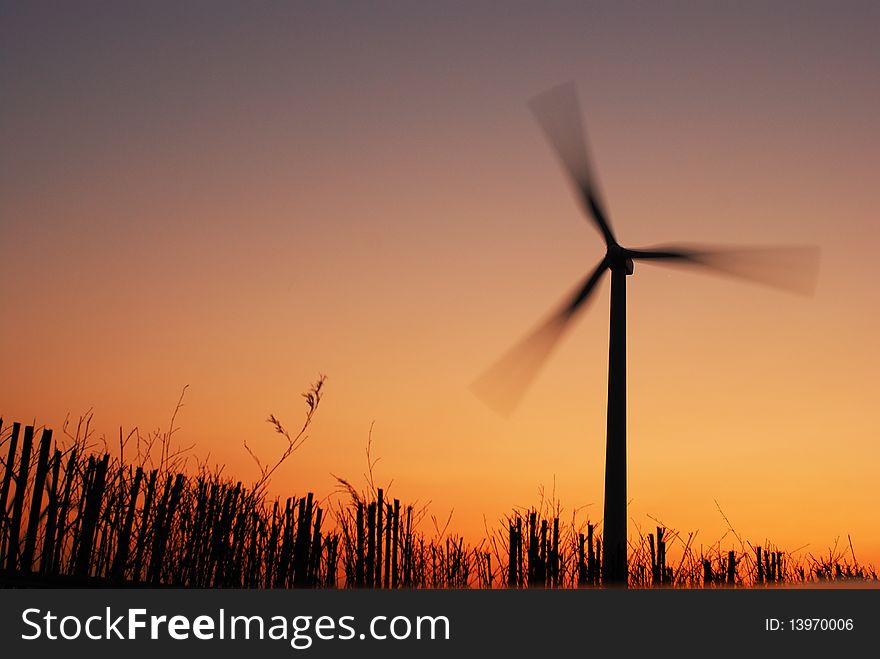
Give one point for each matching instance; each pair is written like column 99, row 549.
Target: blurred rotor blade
column 502, row 386
column 558, row 112
column 794, row 269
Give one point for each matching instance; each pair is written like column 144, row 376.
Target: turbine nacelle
column 618, row 258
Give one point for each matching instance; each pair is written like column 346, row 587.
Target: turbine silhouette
column 791, row 268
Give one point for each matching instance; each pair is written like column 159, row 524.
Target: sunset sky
column 240, row 196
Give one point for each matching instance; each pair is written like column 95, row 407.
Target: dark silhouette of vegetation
column 73, row 515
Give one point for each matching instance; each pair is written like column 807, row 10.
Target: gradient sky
column 238, row 196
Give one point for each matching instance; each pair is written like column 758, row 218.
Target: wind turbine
column 792, row 268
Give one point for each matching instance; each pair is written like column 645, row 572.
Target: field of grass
column 73, row 514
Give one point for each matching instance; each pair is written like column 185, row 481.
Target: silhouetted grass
column 72, row 514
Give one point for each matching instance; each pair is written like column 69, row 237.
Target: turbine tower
column 791, row 268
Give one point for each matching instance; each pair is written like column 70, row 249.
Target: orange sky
column 240, row 200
